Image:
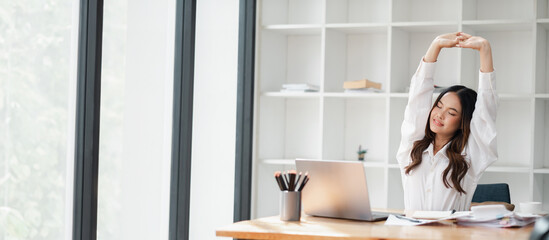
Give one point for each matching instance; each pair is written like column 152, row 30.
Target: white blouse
column 423, row 187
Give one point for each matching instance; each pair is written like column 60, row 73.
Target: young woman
column 445, row 147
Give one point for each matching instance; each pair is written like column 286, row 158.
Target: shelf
column 405, row 95
column 505, row 96
column 374, row 164
column 358, row 27
column 295, row 29
column 292, row 95
column 543, row 23
column 512, row 96
column 398, row 95
column 328, row 94
column 542, row 170
column 292, row 162
column 542, row 95
column 426, row 26
column 494, row 169
column 354, row 95
column 508, row 169
column 498, row 25
column 325, row 43
column 279, row 161
column 393, row 166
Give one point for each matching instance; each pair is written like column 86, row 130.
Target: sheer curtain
column 136, row 119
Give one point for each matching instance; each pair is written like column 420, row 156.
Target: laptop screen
column 336, row 189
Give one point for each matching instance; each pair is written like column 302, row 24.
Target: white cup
column 530, row 207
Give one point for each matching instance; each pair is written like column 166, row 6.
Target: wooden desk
column 328, row 228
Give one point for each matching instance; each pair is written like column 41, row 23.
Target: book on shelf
column 359, row 84
column 363, row 90
column 299, row 87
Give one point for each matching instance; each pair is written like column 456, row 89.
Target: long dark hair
column 457, row 166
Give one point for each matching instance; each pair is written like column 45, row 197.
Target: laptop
column 336, row 189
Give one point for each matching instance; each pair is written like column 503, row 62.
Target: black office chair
column 495, row 192
column 541, row 229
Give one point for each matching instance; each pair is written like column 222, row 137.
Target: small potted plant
column 361, row 152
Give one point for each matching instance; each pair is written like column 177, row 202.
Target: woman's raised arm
column 483, row 46
column 447, row 40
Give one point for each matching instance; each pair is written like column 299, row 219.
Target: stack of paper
column 299, row 87
column 483, row 216
column 396, row 220
column 424, row 217
column 510, row 219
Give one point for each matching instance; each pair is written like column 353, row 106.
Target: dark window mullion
column 182, row 119
column 245, row 105
column 87, row 120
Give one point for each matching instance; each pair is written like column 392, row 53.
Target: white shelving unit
column 327, row 42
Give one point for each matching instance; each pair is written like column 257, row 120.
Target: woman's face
column 446, row 115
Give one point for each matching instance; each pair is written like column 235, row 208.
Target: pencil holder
column 290, row 205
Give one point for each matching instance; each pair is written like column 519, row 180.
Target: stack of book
column 361, row 86
column 299, row 87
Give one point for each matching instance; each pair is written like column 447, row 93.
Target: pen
column 297, row 181
column 304, row 181
column 292, row 174
column 280, row 181
column 407, row 219
column 277, row 178
column 284, row 174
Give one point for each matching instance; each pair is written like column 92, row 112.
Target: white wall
column 214, row 117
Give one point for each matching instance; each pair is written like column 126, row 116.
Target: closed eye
column 439, row 105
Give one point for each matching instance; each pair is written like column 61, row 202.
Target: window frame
column 245, row 111
column 88, row 102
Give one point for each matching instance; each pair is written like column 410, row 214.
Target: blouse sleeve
column 417, row 112
column 482, row 144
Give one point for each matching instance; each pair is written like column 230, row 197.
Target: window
column 38, row 42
